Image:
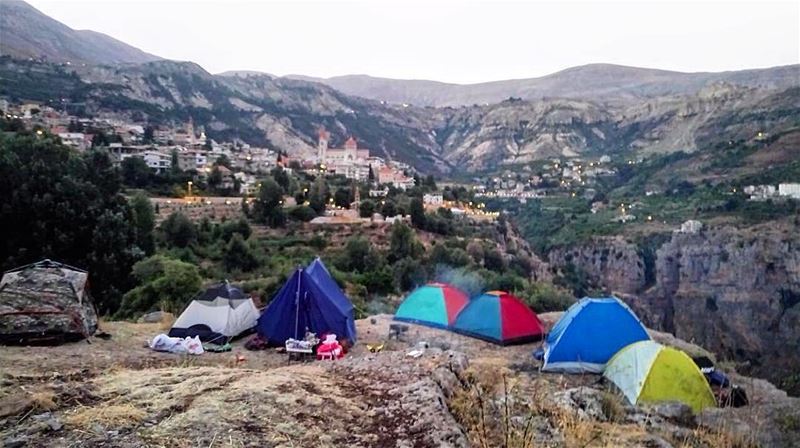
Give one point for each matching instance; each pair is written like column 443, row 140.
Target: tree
column 403, row 243
column 408, row 273
column 417, row 212
column 302, row 213
column 318, row 195
column 59, row 204
column 149, row 135
column 215, row 178
column 144, row 223
column 342, row 197
column 163, row 283
column 282, row 178
column 358, row 255
column 366, row 208
column 238, row 255
column 223, row 160
column 178, row 230
column 231, row 228
column 371, row 176
column 379, row 281
column 268, row 207
column 475, row 250
column 135, row 172
column 430, row 183
column 493, row 260
column 388, row 209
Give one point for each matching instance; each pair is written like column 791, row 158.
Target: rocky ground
column 460, row 392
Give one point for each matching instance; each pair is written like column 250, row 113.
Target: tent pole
column 297, row 307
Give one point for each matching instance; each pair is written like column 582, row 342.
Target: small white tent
column 217, row 315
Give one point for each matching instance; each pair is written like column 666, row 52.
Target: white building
column 157, row 161
column 349, row 161
column 789, row 190
column 760, row 191
column 378, row 193
column 74, row 139
column 691, row 226
column 433, row 200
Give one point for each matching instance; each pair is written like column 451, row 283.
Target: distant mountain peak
column 26, row 32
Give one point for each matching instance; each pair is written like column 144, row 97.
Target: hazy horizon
column 447, row 41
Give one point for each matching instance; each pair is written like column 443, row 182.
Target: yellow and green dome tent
column 648, row 372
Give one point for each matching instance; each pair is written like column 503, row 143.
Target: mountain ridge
column 597, row 81
column 26, row 32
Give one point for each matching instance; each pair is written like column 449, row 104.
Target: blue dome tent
column 589, row 333
column 311, row 300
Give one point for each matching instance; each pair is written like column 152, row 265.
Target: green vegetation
column 164, row 283
column 61, row 205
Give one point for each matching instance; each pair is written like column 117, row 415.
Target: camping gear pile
column 495, row 316
column 46, row 302
column 181, row 346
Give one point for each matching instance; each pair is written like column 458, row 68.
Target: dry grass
column 167, row 320
column 613, row 408
column 44, row 400
column 500, row 409
column 106, row 415
column 717, row 438
column 20, row 401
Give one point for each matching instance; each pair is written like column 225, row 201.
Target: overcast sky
column 463, row 42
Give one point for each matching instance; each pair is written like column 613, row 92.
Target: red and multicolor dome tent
column 499, row 317
column 435, row 305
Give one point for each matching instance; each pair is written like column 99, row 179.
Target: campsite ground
column 460, row 392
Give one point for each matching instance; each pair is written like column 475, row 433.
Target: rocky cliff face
column 611, row 263
column 736, row 292
column 733, row 291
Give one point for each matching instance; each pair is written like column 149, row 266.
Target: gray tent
column 46, row 302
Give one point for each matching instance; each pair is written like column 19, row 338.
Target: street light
column 189, row 184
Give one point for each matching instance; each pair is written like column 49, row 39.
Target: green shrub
column 163, row 283
column 302, row 213
column 544, row 297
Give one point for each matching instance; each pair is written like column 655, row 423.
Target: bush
column 164, row 283
column 408, row 274
column 493, row 260
column 178, row 231
column 366, row 208
column 240, row 226
column 403, row 243
column 302, row 213
column 544, row 297
column 318, row 242
column 378, row 281
column 238, row 255
column 359, row 256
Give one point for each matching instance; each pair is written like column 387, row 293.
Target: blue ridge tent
column 311, row 300
column 589, row 333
